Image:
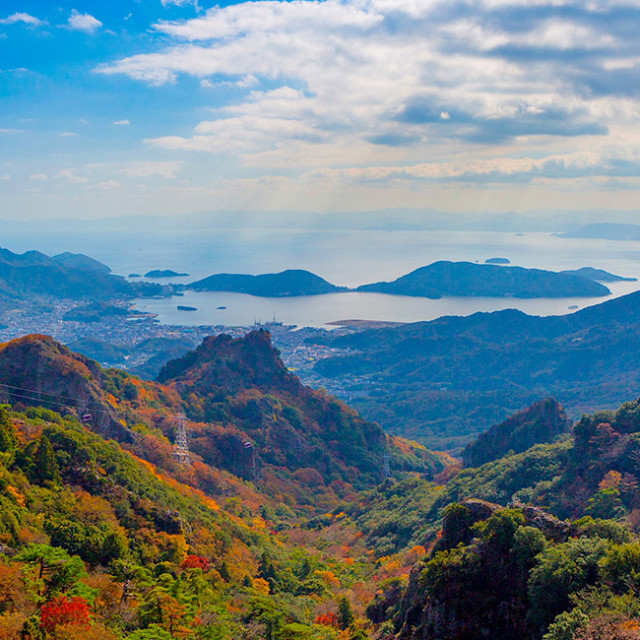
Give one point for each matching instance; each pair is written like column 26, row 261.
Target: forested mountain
column 247, row 414
column 65, row 276
column 451, row 378
column 293, row 282
column 446, row 278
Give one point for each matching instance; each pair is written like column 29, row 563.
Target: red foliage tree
column 328, row 620
column 63, row 610
column 195, row 562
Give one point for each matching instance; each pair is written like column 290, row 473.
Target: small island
column 497, row 261
column 183, row 307
column 163, row 273
column 134, row 275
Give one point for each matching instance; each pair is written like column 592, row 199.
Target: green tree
column 605, row 504
column 345, row 613
column 46, row 469
column 562, row 570
column 54, row 571
column 8, row 439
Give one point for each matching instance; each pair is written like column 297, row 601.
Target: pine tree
column 46, row 469
column 345, row 613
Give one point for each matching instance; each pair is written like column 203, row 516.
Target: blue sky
column 152, row 107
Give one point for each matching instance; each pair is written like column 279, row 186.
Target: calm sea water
column 345, row 258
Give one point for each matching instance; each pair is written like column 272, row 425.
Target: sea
column 347, row 258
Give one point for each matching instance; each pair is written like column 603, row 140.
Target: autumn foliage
column 63, row 610
column 328, row 620
column 195, row 562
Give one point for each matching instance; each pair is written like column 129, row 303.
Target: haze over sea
column 348, row 258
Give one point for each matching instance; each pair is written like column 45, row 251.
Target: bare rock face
column 38, row 371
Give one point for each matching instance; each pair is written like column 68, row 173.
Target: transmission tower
column 386, row 468
column 181, row 445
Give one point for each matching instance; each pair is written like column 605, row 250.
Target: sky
column 166, row 107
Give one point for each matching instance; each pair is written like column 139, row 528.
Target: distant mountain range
column 433, row 281
column 65, row 276
column 605, row 231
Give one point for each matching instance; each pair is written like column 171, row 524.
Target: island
column 497, row 261
column 183, row 307
column 468, row 279
column 163, row 273
column 290, row 283
column 599, row 275
column 134, row 275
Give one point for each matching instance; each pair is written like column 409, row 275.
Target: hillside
column 293, row 282
column 468, row 279
column 64, row 276
column 505, row 566
column 114, row 539
column 80, row 261
column 248, row 415
column 540, row 423
column 243, row 382
column 445, row 381
column 98, row 544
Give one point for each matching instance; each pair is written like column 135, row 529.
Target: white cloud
column 179, row 3
column 68, row 134
column 38, row 177
column 83, row 22
column 11, row 130
column 365, row 90
column 149, row 169
column 24, row 18
column 121, row 123
column 109, row 184
column 69, row 175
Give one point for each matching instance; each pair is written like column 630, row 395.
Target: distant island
column 468, row 279
column 134, row 275
column 290, row 283
column 163, row 273
column 183, row 307
column 605, row 231
column 444, row 278
column 599, row 275
column 497, row 261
